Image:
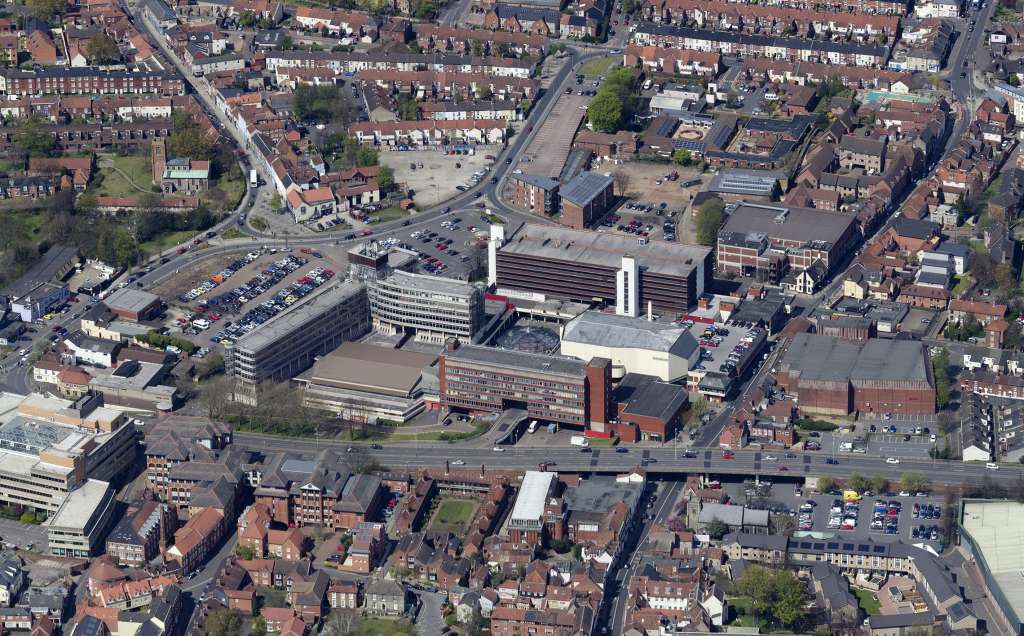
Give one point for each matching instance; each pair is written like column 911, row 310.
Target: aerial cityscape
column 511, row 317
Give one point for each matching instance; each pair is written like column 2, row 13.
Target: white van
column 992, row 466
column 201, row 324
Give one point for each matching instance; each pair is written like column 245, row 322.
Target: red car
column 727, row 455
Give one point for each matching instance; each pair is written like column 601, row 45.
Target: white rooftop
column 532, row 495
column 997, row 528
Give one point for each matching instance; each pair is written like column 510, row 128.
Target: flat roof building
column 432, row 308
column 363, row 382
column 48, row 446
column 538, row 261
column 550, row 388
column 288, row 343
column 764, row 241
column 836, row 376
column 993, row 533
column 79, row 527
column 134, row 304
column 527, row 518
column 634, row 345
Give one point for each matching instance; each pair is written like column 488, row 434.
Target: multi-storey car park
column 287, row 344
column 624, row 272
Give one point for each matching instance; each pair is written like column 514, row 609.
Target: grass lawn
column 389, row 214
column 963, row 282
column 231, row 233
column 167, row 241
column 108, row 183
column 137, row 167
column 224, row 193
column 598, row 66
column 453, row 515
column 25, row 224
column 384, row 627
column 868, row 601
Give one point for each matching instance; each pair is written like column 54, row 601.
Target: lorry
column 579, row 440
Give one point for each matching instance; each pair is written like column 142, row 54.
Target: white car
column 892, row 460
column 498, row 449
column 770, row 458
column 992, row 466
column 458, row 462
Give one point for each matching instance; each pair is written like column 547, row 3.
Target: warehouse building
column 634, row 345
column 363, row 383
column 134, row 304
column 837, row 377
column 288, row 343
column 765, row 241
column 549, row 388
column 39, row 289
column 432, row 308
column 538, row 261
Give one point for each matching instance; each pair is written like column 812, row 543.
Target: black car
column 508, row 161
column 376, row 446
column 478, row 195
column 406, row 223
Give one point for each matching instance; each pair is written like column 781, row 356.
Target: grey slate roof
column 585, row 188
column 625, row 332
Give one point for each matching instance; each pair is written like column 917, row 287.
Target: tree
column 825, row 484
column 102, row 49
column 341, row 622
column 606, row 112
column 857, row 482
column 188, row 140
column 45, row 9
column 1013, row 80
column 914, row 481
column 879, row 484
column 621, row 179
column 247, row 19
column 385, row 178
column 408, row 108
column 259, row 627
column 683, row 157
column 940, row 371
column 321, row 104
column 717, row 529
column 210, row 366
column 710, row 216
column 775, row 595
column 223, row 623
column 33, row 137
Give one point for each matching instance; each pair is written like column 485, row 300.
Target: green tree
column 259, row 627
column 33, row 136
column 683, row 157
column 606, row 112
column 321, row 104
column 775, row 595
column 717, row 529
column 223, row 623
column 826, row 484
column 940, row 371
column 247, row 19
column 287, row 43
column 914, row 481
column 408, row 108
column 857, row 482
column 385, row 177
column 1013, row 80
column 710, row 216
column 102, row 49
column 45, row 9
column 187, row 139
column 244, row 552
column 879, row 484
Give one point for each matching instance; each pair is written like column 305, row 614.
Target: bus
column 254, row 180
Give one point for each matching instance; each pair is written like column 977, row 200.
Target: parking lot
column 436, row 175
column 883, row 518
column 23, row 534
column 723, row 349
column 657, row 192
column 547, row 152
column 451, row 247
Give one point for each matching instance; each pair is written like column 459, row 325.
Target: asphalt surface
column 667, row 460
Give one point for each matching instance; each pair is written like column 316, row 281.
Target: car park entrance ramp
column 507, row 425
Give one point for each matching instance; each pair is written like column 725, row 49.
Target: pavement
column 429, row 620
column 22, row 534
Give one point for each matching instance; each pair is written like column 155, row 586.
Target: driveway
column 429, row 621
